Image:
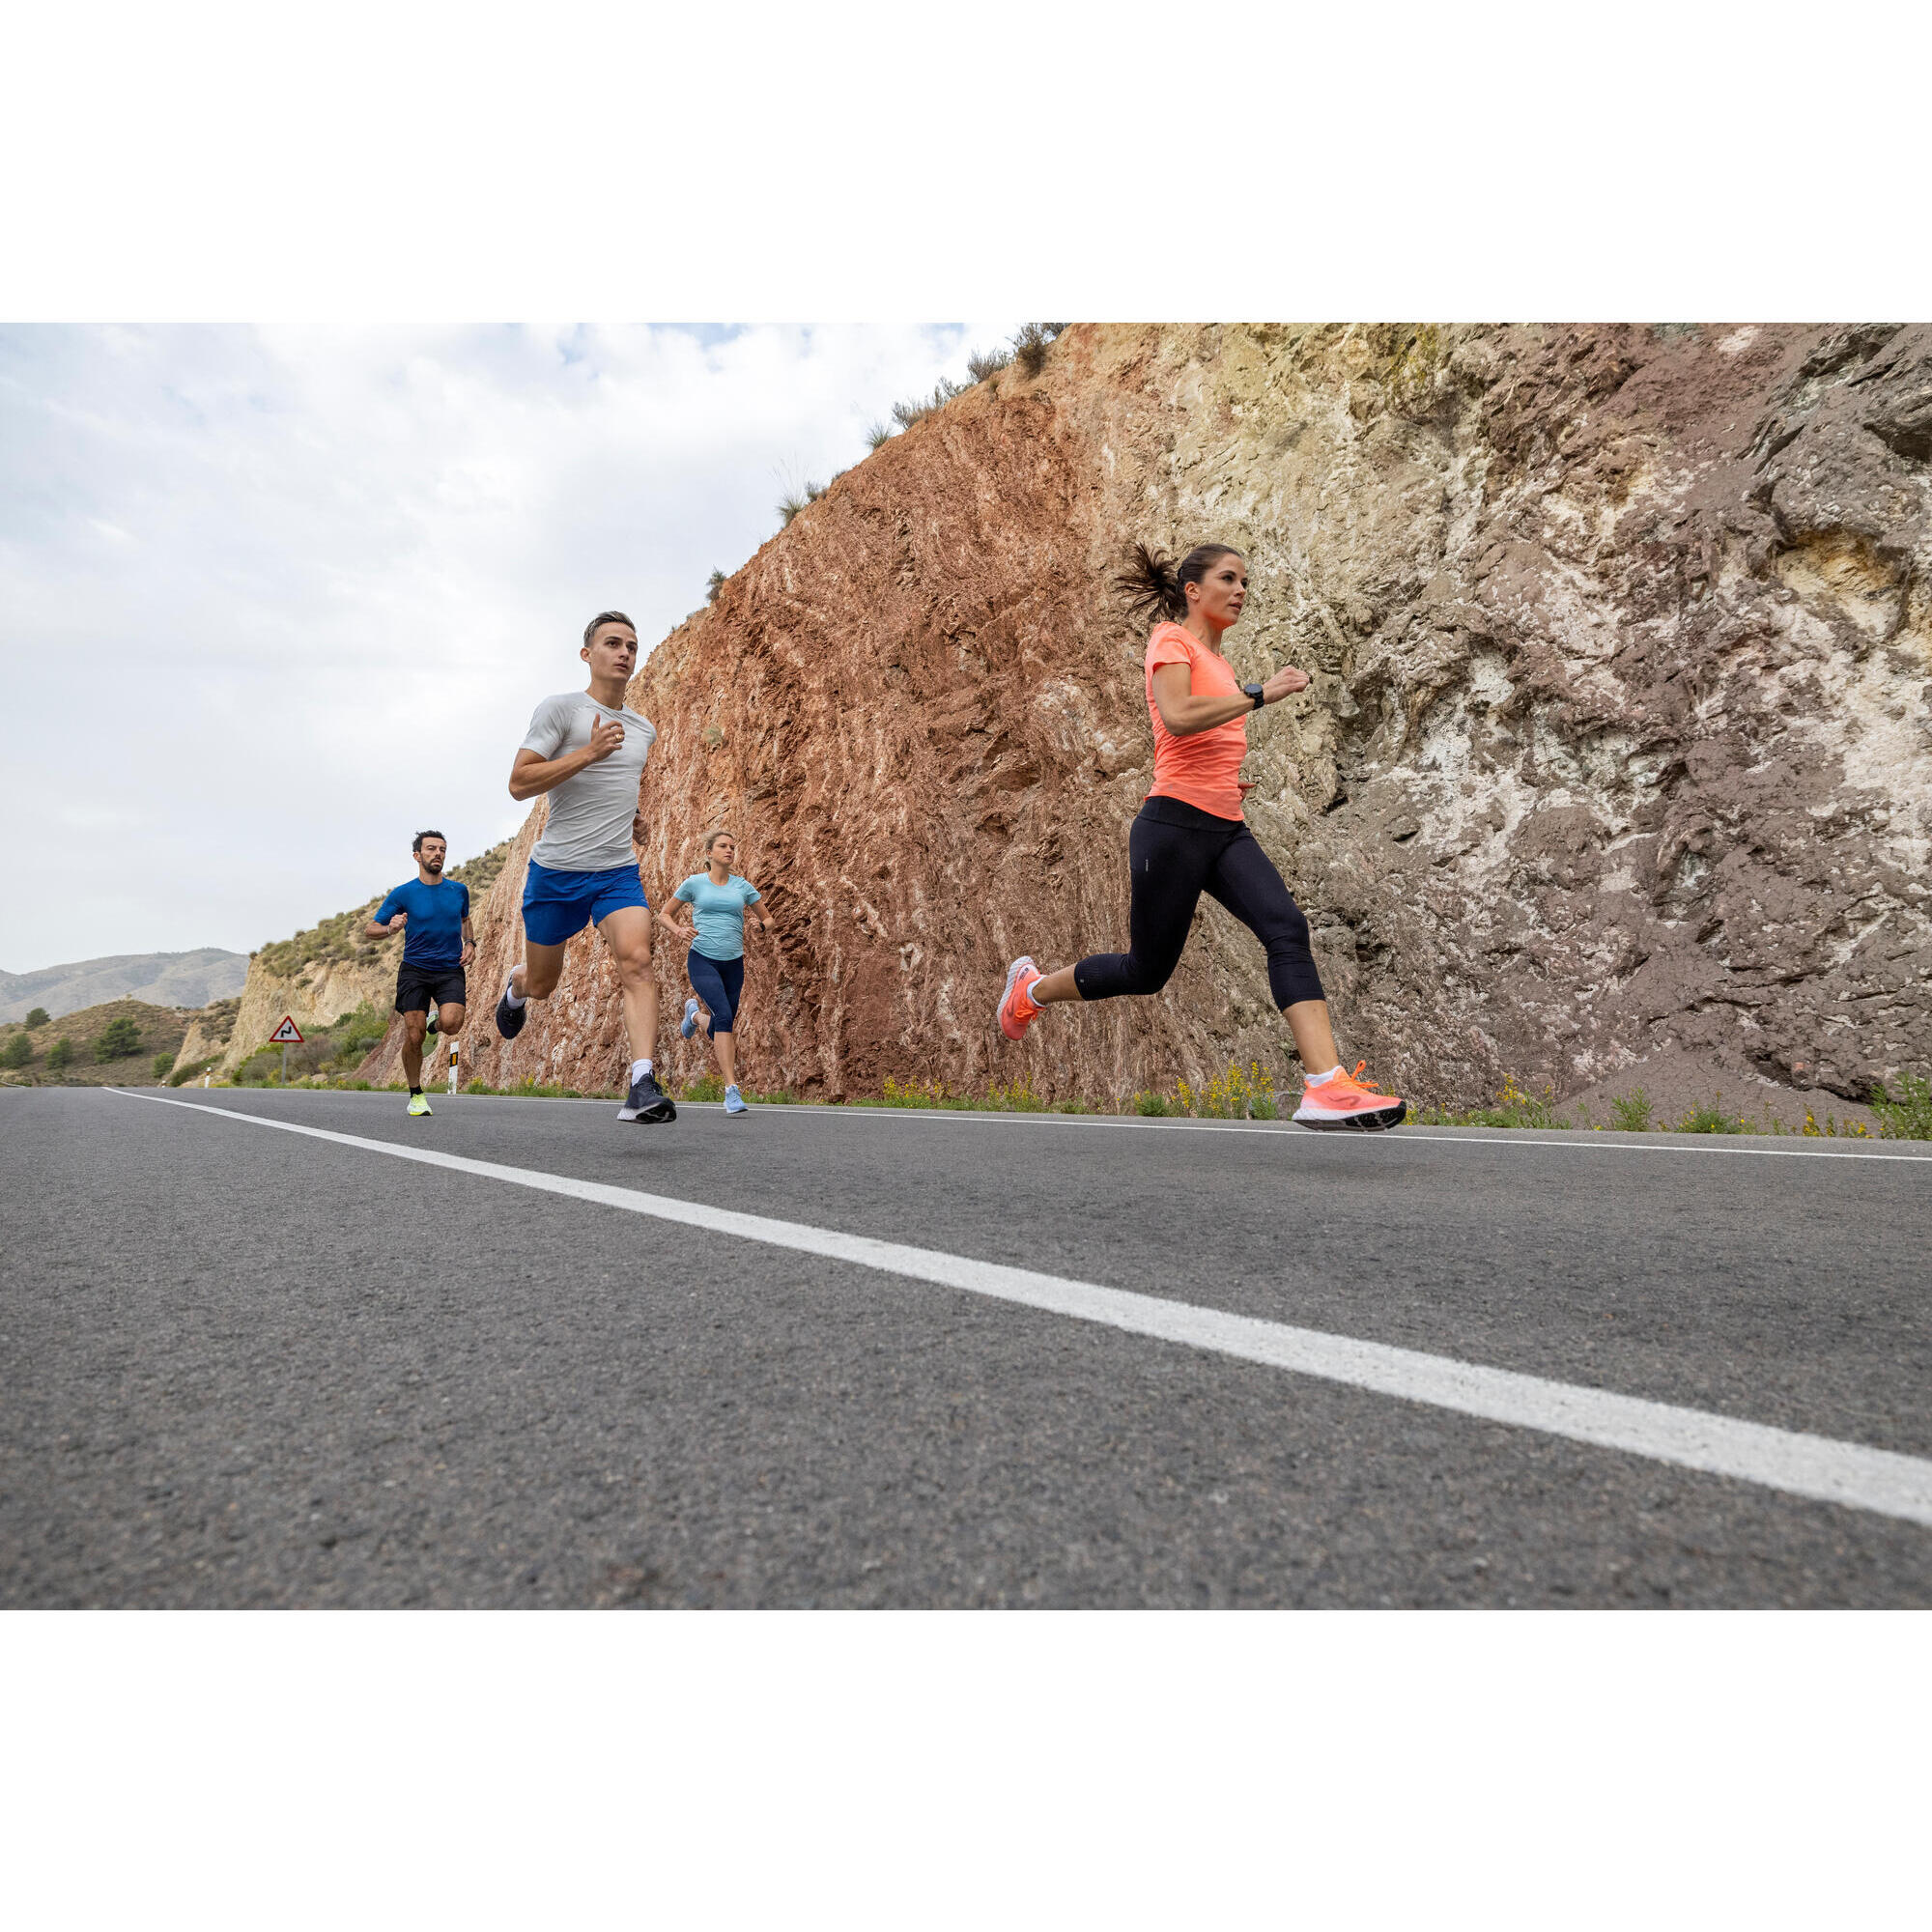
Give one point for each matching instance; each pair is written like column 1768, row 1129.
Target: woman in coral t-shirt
column 1191, row 836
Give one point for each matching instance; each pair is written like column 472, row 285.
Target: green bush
column 37, row 1018
column 194, row 1070
column 356, row 1035
column 1710, row 1118
column 1907, row 1115
column 117, row 1039
column 1156, row 1105
column 163, row 1065
column 712, row 584
column 1632, row 1113
column 61, row 1052
column 706, row 1087
column 878, row 435
column 17, row 1051
column 987, row 362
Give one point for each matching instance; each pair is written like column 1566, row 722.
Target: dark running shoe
column 510, row 1019
column 648, row 1101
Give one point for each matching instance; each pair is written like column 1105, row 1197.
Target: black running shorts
column 421, row 987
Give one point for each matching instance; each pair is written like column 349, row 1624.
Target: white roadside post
column 452, row 1062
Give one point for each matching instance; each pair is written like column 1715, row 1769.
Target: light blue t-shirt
column 719, row 913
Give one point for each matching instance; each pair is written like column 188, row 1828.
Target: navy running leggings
column 1177, row 852
column 718, row 982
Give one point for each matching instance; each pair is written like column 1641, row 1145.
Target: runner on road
column 1192, row 837
column 434, row 914
column 716, row 962
column 587, row 753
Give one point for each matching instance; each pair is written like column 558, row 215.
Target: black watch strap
column 1254, row 691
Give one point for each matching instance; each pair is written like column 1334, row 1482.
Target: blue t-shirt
column 719, row 913
column 434, row 935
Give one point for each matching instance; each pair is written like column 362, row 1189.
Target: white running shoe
column 690, row 1023
column 734, row 1101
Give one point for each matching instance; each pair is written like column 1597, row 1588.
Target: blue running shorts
column 558, row 904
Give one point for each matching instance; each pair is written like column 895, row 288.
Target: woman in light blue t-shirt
column 716, row 962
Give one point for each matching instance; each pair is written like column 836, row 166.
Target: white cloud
column 275, row 598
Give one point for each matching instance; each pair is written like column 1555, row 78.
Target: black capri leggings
column 1177, row 852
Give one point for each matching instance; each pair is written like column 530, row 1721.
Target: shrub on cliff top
column 789, row 505
column 878, row 435
column 986, row 363
column 1031, row 343
column 905, row 414
column 712, row 584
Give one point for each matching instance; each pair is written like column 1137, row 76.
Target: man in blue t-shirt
column 435, row 913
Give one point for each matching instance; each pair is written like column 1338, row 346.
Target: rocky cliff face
column 1619, row 741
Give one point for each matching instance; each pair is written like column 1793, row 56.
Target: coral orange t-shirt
column 1205, row 768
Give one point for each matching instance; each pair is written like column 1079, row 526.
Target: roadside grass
column 535, row 1090
column 1513, row 1108
column 1907, row 1115
column 1238, row 1092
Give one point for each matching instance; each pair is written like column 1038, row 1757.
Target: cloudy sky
column 273, row 598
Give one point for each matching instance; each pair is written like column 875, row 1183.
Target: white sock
column 1031, row 984
column 1321, row 1079
column 510, row 990
column 638, row 1068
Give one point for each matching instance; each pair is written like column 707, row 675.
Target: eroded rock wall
column 1619, row 739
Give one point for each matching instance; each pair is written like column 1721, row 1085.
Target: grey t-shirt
column 589, row 825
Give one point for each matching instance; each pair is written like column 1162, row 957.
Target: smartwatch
column 1254, row 691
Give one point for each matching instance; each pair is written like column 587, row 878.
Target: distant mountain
column 160, row 979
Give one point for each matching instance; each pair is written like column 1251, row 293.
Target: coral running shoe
column 1349, row 1104
column 1017, row 1012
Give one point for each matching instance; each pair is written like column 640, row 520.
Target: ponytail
column 1157, row 588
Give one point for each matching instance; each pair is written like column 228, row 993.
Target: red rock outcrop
column 1618, row 739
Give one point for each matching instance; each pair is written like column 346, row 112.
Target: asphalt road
column 244, row 1367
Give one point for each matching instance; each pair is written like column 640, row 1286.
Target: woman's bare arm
column 1184, row 714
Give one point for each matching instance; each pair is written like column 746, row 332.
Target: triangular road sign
column 288, row 1033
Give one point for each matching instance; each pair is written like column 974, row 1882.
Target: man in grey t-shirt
column 587, row 753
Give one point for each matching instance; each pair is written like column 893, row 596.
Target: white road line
column 1813, row 1467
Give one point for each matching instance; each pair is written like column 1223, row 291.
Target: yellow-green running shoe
column 418, row 1103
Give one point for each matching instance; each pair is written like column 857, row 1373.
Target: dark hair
column 606, row 617
column 1157, row 586
column 421, row 835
